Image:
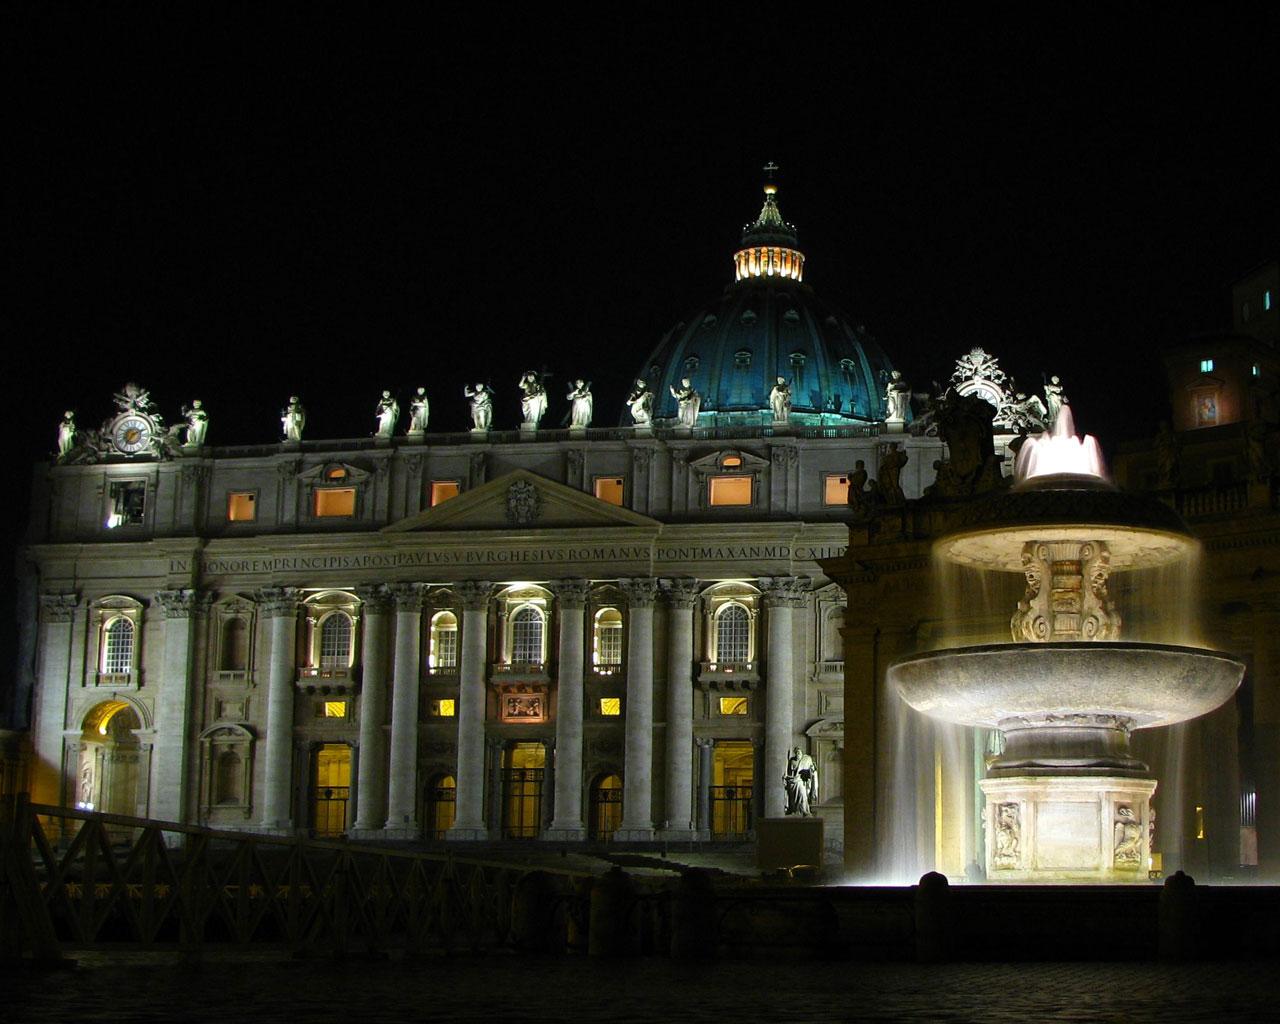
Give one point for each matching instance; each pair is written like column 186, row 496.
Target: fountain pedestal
column 1067, row 829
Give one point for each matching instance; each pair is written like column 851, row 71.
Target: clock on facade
column 132, row 433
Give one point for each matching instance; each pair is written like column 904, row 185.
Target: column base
column 634, row 835
column 276, row 828
column 402, row 831
column 467, row 835
column 677, row 835
column 365, row 834
column 565, row 834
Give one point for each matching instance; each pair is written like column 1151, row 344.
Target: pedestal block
column 788, row 842
column 1067, row 828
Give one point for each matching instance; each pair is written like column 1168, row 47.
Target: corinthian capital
column 571, row 593
column 474, row 594
column 177, row 604
column 58, row 607
column 780, row 591
column 681, row 592
column 278, row 602
column 640, row 591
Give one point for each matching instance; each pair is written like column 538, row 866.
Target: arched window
column 442, row 652
column 733, row 634
column 526, row 636
column 226, row 779
column 607, row 642
column 335, row 641
column 117, row 647
column 235, row 645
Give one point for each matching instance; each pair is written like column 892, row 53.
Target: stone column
column 637, row 781
column 170, row 754
column 682, row 595
column 371, row 782
column 57, row 616
column 781, row 595
column 706, row 772
column 280, row 605
column 469, row 821
column 567, row 825
column 402, row 809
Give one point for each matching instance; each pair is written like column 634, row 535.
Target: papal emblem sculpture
column 524, row 503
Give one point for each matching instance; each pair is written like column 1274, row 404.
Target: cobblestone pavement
column 231, row 989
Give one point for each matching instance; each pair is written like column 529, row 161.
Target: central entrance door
column 523, row 766
column 330, row 788
column 732, row 789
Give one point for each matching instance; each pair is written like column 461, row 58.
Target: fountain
column 1066, row 800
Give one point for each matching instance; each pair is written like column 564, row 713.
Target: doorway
column 732, row 789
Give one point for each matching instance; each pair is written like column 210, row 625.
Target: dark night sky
column 234, row 210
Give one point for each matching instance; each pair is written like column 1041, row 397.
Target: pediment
column 521, row 500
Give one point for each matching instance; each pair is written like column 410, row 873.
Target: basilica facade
column 581, row 634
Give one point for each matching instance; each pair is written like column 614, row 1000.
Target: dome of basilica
column 769, row 324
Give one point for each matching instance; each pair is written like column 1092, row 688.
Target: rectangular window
column 611, row 707
column 128, row 503
column 242, row 507
column 443, row 490
column 335, row 501
column 835, row 489
column 1206, row 365
column 609, row 488
column 734, row 705
column 730, row 490
column 1255, row 371
column 332, row 709
column 444, row 708
column 1266, row 299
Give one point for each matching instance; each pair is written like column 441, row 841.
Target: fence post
column 18, row 882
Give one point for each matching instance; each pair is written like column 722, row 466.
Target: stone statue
column 1054, row 400
column 964, row 424
column 66, row 434
column 897, row 398
column 419, row 410
column 1255, row 436
column 580, row 403
column 640, row 402
column 780, row 400
column 293, row 418
column 892, row 460
column 801, row 783
column 858, row 486
column 387, row 412
column 481, row 397
column 1168, row 450
column 690, row 402
column 533, row 400
column 197, row 423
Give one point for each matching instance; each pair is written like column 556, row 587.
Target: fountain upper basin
column 1150, row 684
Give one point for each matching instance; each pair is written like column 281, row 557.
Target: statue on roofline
column 780, row 400
column 293, row 418
column 640, row 402
column 481, row 398
column 533, row 400
column 387, row 412
column 419, row 410
column 580, row 405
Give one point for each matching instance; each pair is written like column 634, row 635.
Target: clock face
column 131, row 434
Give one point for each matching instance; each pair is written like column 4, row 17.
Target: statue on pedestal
column 858, row 486
column 293, row 418
column 197, row 423
column 801, row 783
column 66, row 434
column 689, row 401
column 419, row 410
column 533, row 400
column 897, row 398
column 780, row 400
column 580, row 405
column 481, row 397
column 1168, row 452
column 387, row 412
column 1054, row 400
column 892, row 461
column 640, row 402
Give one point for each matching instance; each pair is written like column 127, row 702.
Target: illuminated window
column 128, row 503
column 443, row 490
column 335, row 641
column 733, row 705
column 611, row 707
column 242, row 507
column 731, row 461
column 526, row 636
column 335, row 473
column 117, row 647
column 835, row 489
column 1206, row 365
column 442, row 653
column 1266, row 300
column 730, row 490
column 1199, row 822
column 609, row 488
column 733, row 634
column 333, row 709
column 335, row 501
column 446, row 708
column 607, row 643
column 1256, row 370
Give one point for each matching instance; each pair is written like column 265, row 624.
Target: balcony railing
column 315, row 679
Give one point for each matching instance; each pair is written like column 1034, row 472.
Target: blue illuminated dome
column 769, row 324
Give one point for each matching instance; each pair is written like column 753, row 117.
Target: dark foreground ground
column 228, row 989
